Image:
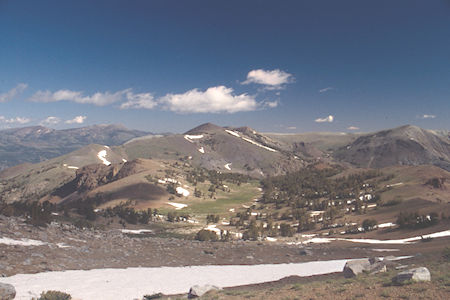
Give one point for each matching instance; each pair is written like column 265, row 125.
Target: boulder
column 371, row 265
column 200, row 290
column 7, row 291
column 354, row 267
column 416, row 274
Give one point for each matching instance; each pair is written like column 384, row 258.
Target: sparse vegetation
column 54, row 295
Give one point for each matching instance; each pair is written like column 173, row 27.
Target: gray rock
column 371, row 265
column 7, row 291
column 200, row 290
column 354, row 267
column 416, row 274
column 305, row 252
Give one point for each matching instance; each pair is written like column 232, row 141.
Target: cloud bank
column 16, row 120
column 50, row 121
column 274, row 79
column 328, row 119
column 144, row 100
column 99, row 99
column 213, row 100
column 76, row 120
column 9, row 95
column 428, row 116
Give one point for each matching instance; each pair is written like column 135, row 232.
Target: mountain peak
column 205, row 128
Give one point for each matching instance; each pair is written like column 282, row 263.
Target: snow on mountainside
column 38, row 143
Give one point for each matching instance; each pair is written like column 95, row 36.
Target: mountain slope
column 224, row 149
column 405, row 145
column 38, row 143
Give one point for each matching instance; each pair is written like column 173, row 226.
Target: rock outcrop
column 199, row 290
column 416, row 274
column 7, row 291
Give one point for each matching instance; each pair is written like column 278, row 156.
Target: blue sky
column 285, row 66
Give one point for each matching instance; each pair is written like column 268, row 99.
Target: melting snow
column 177, row 205
column 182, row 191
column 213, row 228
column 201, row 150
column 384, row 225
column 233, row 133
column 259, row 145
column 21, row 242
column 189, row 137
column 410, row 240
column 136, row 231
column 101, row 155
column 227, row 166
column 131, row 283
column 385, row 250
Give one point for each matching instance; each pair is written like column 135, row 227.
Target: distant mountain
column 38, row 143
column 405, row 145
column 225, row 149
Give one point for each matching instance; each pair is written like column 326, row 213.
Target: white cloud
column 76, row 120
column 352, row 128
column 271, row 79
column 9, row 95
column 99, row 99
column 16, row 120
column 271, row 104
column 50, row 121
column 326, row 89
column 428, row 117
column 144, row 100
column 214, row 100
column 328, row 119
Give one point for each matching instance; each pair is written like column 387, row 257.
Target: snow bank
column 182, row 191
column 233, row 133
column 384, row 225
column 136, row 231
column 21, row 242
column 259, row 145
column 410, row 240
column 177, row 205
column 189, row 137
column 102, row 156
column 131, row 283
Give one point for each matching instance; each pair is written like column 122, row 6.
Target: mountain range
column 126, row 162
column 37, row 143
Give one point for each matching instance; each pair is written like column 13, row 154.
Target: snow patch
column 258, row 144
column 271, row 239
column 182, row 191
column 136, row 231
column 102, row 156
column 190, row 138
column 177, row 205
column 201, row 150
column 21, row 242
column 233, row 133
column 384, row 225
column 410, row 240
column 227, row 166
column 131, row 283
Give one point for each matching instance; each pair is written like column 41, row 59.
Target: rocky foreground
column 28, row 249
